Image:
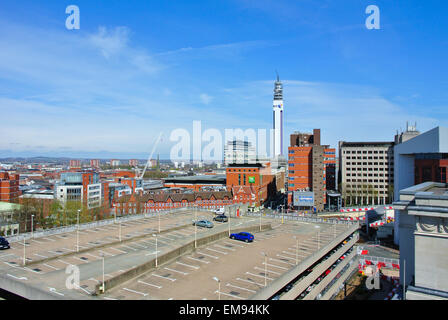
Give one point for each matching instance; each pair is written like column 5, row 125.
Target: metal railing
column 94, row 224
column 304, row 218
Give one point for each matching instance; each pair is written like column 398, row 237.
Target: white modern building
column 238, row 151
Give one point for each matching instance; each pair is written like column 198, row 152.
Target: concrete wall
column 335, row 287
column 26, row 291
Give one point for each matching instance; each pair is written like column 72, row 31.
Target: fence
column 303, row 217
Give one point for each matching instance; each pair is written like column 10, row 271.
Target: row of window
column 370, row 158
column 370, row 169
column 364, row 151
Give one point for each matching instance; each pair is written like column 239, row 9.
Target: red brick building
column 311, row 166
column 133, row 162
column 431, row 170
column 138, row 204
column 9, row 187
column 75, row 163
column 250, row 183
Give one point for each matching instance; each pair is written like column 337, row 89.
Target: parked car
column 203, row 223
column 4, row 244
column 242, row 236
column 221, row 218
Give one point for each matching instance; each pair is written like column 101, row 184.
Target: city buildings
column 114, row 162
column 366, row 172
column 9, row 187
column 82, row 187
column 238, row 151
column 278, row 118
column 133, row 162
column 197, row 183
column 423, row 238
column 75, row 164
column 251, row 183
column 94, row 163
column 308, row 164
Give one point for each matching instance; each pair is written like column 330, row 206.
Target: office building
column 238, row 151
column 9, row 187
column 308, row 164
column 75, row 164
column 366, row 172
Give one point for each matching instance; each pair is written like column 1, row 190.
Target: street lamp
column 195, row 227
column 103, row 286
column 219, row 287
column 24, row 252
column 119, row 230
column 229, row 222
column 159, row 219
column 155, row 235
column 77, row 233
column 297, row 250
column 265, row 268
column 32, row 224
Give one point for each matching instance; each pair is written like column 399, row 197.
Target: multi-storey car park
column 163, row 256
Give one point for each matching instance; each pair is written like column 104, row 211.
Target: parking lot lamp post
column 119, row 231
column 77, row 233
column 195, row 227
column 159, row 220
column 155, row 235
column 32, row 225
column 219, row 287
column 297, row 250
column 24, row 252
column 265, row 268
column 229, row 223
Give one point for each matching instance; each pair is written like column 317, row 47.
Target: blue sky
column 137, row 68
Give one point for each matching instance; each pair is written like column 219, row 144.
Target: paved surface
column 240, row 266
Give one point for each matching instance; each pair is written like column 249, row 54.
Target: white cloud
column 205, row 98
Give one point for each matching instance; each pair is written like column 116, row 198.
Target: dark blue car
column 242, row 236
column 4, row 244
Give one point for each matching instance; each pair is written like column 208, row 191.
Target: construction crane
column 150, row 156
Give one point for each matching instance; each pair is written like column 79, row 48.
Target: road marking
column 187, row 265
column 215, row 250
column 281, row 261
column 70, row 264
column 68, row 249
column 163, row 277
column 208, row 255
column 250, row 281
column 54, row 290
column 281, row 256
column 5, row 255
column 203, row 261
column 184, row 273
column 38, row 241
column 50, row 266
column 140, row 245
column 230, row 295
column 28, row 269
column 273, row 265
column 222, row 247
column 89, row 254
column 149, row 284
column 116, row 250
column 257, row 275
column 234, row 244
column 81, row 259
column 123, row 245
column 231, row 285
column 269, row 271
column 287, row 252
column 137, row 292
column 54, row 252
column 107, row 298
column 19, row 278
column 49, row 239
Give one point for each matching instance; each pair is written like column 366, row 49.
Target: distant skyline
column 136, row 69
